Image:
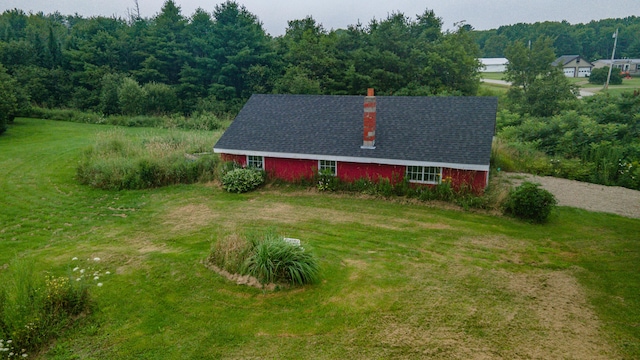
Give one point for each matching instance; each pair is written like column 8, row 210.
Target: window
column 424, row 174
column 328, row 166
column 256, row 162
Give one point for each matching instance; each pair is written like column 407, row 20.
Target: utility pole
column 613, row 54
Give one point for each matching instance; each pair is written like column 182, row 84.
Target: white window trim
column 256, row 156
column 439, row 173
column 358, row 160
column 335, row 167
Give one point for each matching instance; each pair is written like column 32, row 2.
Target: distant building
column 494, row 65
column 574, row 66
column 632, row 66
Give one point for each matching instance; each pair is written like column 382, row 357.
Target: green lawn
column 492, row 75
column 399, row 279
column 626, row 86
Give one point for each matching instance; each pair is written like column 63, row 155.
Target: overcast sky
column 274, row 14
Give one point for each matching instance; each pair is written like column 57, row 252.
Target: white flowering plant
column 8, row 351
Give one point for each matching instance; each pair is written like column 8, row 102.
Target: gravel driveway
column 592, row 197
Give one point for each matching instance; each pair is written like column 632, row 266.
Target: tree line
column 592, row 41
column 213, row 61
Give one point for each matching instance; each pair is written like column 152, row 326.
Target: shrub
column 599, row 76
column 242, row 180
column 274, row 260
column 131, row 97
column 160, row 98
column 530, row 202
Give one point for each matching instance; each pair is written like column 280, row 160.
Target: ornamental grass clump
column 230, row 253
column 270, row 259
column 275, row 260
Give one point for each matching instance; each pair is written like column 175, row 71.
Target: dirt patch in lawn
column 291, row 214
column 190, row 216
column 568, row 327
column 540, row 315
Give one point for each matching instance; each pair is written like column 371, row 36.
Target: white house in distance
column 631, row 66
column 574, row 66
column 493, row 65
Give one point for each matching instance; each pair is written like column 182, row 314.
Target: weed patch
column 119, row 162
column 35, row 308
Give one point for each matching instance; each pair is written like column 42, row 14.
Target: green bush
column 530, row 202
column 242, row 180
column 274, row 260
column 599, row 76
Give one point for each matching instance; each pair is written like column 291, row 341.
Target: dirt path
column 592, row 197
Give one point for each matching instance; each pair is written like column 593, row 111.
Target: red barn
column 421, row 139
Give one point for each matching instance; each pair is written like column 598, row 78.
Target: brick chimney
column 369, row 136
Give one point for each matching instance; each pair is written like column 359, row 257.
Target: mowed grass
column 398, row 279
column 492, row 75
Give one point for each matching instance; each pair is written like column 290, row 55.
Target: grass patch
column 400, row 279
column 35, row 307
column 492, row 75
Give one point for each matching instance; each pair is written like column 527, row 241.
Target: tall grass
column 35, row 308
column 230, row 253
column 197, row 121
column 117, row 161
column 274, row 260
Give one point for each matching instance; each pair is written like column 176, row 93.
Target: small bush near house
column 242, row 180
column 530, row 202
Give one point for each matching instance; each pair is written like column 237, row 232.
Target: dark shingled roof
column 430, row 129
column 565, row 59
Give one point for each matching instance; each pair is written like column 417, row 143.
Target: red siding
column 348, row 171
column 296, row 169
column 477, row 180
column 240, row 159
column 290, row 169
